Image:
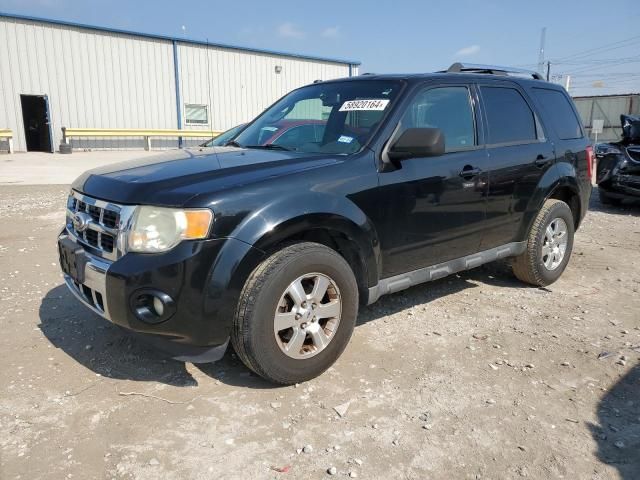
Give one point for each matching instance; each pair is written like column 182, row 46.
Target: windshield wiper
column 270, row 146
column 232, row 143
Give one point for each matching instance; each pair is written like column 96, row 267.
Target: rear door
column 433, row 209
column 519, row 155
column 569, row 138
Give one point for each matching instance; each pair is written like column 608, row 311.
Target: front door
column 433, row 209
column 35, row 115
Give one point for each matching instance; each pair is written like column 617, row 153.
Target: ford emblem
column 81, row 221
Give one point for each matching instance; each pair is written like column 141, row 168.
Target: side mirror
column 417, row 142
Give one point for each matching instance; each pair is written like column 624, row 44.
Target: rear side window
column 509, row 117
column 558, row 112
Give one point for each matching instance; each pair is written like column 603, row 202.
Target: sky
column 595, row 42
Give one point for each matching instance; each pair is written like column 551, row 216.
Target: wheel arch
column 335, row 232
column 319, row 217
column 560, row 183
column 569, row 195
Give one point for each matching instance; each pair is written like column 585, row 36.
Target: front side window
column 446, row 108
column 509, row 118
column 333, row 117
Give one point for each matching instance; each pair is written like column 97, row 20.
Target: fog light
column 152, row 306
column 158, row 306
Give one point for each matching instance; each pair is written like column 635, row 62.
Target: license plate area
column 72, row 259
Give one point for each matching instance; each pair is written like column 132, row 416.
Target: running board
column 427, row 274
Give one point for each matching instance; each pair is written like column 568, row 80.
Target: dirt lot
column 474, row 376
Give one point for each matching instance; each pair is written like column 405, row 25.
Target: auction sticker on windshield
column 364, row 104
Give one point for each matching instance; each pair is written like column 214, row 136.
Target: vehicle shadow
column 102, row 347
column 618, row 432
column 496, row 274
column 628, row 206
column 112, row 352
column 108, row 350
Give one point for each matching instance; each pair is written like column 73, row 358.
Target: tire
column 533, row 266
column 605, row 199
column 271, row 354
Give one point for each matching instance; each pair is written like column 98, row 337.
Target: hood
column 172, row 178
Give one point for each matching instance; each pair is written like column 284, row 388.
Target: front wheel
column 296, row 313
column 549, row 245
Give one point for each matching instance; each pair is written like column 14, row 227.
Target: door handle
column 468, row 171
column 541, row 161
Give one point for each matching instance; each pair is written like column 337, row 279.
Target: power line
column 610, row 74
column 591, row 68
column 606, row 47
column 598, row 61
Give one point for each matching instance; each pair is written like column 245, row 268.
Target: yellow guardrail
column 8, row 134
column 146, row 133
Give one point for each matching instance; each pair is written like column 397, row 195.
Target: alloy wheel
column 307, row 315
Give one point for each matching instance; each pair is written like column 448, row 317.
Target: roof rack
column 490, row 69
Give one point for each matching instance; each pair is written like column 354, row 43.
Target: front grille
column 92, row 297
column 95, row 223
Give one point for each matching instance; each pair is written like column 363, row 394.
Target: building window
column 196, row 114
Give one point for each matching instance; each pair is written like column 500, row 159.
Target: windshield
column 323, row 118
column 224, row 137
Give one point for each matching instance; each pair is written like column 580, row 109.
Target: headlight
column 158, row 229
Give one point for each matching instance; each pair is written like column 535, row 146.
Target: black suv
column 385, row 182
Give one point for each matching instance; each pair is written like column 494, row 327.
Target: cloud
column 467, row 51
column 289, row 30
column 331, row 32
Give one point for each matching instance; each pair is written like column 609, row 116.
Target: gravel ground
column 473, row 376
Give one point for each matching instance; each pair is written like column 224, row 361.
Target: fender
column 561, row 174
column 290, row 216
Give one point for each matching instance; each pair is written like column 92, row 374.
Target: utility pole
column 543, row 34
column 548, row 70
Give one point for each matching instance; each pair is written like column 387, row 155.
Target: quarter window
column 446, row 108
column 509, row 117
column 559, row 113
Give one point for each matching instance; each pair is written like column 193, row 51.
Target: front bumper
column 619, row 175
column 203, row 278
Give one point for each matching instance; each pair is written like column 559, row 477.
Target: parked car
column 224, row 137
column 618, row 164
column 272, row 245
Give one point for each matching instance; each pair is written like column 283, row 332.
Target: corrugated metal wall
column 92, row 79
column 607, row 108
column 243, row 84
column 102, row 79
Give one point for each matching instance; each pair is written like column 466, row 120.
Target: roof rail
column 490, row 69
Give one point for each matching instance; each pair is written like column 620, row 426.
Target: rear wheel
column 549, row 245
column 296, row 313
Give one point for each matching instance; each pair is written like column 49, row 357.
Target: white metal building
column 56, row 74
